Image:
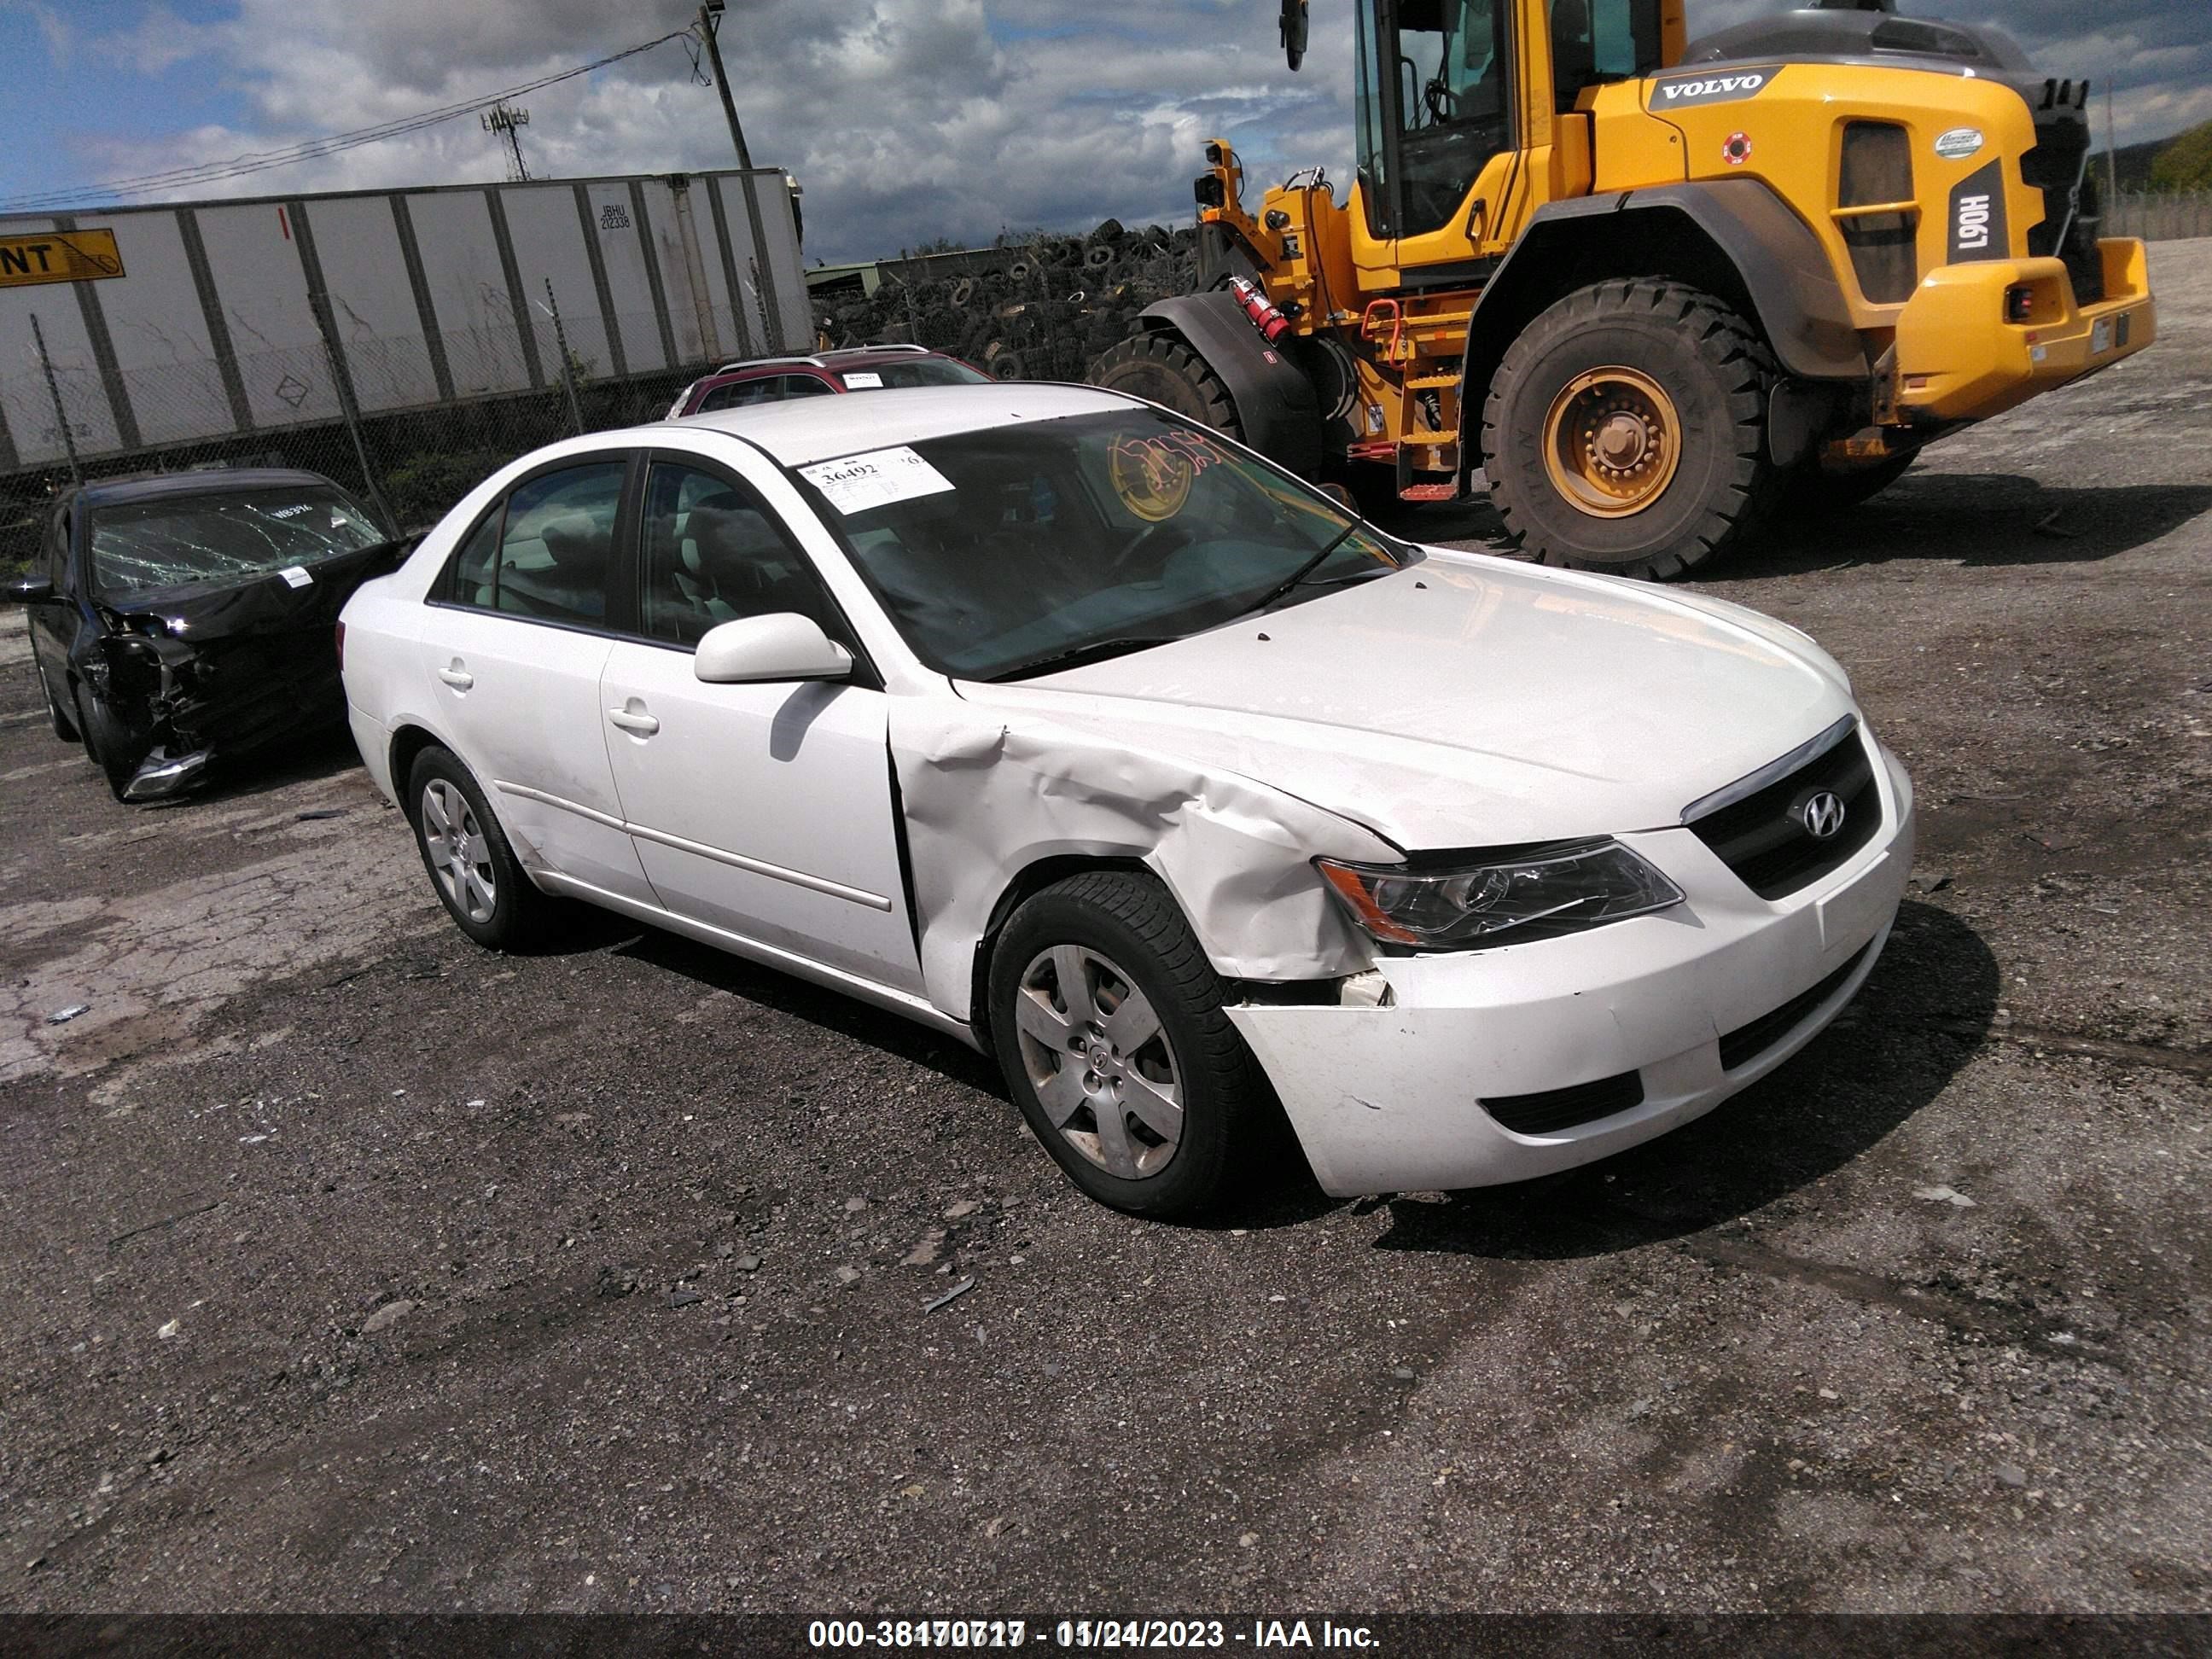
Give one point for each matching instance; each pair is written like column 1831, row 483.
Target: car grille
column 2058, row 166
column 1747, row 1042
column 1563, row 1108
column 1760, row 836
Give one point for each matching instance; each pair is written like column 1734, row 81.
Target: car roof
column 844, row 357
column 204, row 482
column 820, row 429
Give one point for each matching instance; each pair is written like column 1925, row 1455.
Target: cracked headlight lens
column 1537, row 893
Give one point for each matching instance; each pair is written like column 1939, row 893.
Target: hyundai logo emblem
column 1822, row 815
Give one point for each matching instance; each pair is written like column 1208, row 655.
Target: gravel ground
column 344, row 1267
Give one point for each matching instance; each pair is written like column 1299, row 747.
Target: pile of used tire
column 1041, row 309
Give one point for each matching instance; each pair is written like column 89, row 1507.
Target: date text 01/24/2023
column 1087, row 1633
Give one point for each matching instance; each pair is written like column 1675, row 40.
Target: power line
column 152, row 184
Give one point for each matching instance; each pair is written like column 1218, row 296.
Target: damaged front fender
column 989, row 793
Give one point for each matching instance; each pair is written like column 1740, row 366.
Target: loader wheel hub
column 1613, row 442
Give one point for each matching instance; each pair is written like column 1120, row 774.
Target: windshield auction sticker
column 1153, row 474
column 876, row 479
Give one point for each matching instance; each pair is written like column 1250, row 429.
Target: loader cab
column 1450, row 93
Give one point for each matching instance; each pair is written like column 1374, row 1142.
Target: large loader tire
column 1625, row 431
column 1161, row 369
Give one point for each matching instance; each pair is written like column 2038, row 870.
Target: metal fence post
column 342, row 384
column 771, row 327
column 568, row 375
column 54, row 391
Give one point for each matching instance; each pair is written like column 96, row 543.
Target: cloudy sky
column 905, row 120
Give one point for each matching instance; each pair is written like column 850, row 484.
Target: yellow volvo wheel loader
column 1656, row 290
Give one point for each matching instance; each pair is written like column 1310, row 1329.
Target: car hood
column 264, row 603
column 1468, row 701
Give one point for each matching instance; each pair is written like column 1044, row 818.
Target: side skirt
column 768, row 956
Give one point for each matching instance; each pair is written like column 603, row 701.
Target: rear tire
column 1809, row 491
column 1625, row 431
column 1090, row 1093
column 1162, row 369
column 472, row 864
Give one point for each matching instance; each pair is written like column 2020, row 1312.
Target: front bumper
column 1958, row 359
column 1386, row 1099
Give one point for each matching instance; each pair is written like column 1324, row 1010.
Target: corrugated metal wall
column 218, row 325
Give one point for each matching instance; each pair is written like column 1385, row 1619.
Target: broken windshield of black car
column 193, row 541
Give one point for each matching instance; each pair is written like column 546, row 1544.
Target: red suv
column 854, row 369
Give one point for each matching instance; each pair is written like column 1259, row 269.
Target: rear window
column 189, row 541
column 912, row 372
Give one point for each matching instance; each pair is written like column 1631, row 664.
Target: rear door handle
column 457, row 677
column 631, row 721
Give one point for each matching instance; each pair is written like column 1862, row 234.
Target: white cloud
column 906, row 120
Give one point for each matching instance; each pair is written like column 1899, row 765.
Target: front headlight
column 1539, row 893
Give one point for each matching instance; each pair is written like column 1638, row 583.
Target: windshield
column 912, row 372
column 185, row 541
column 1020, row 549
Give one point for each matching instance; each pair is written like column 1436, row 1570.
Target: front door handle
column 633, row 720
column 457, row 677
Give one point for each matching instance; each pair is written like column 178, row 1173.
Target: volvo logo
column 1821, row 815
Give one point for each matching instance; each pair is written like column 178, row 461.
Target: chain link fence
column 361, row 421
column 2160, row 215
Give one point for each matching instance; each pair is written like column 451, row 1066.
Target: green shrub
column 422, row 487
column 2186, row 163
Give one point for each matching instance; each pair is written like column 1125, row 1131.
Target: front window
column 1368, row 117
column 1451, row 69
column 911, row 372
column 222, row 536
column 545, row 553
column 713, row 554
column 1017, row 549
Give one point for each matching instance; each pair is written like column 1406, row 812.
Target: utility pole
column 2112, row 155
column 503, row 118
column 710, row 13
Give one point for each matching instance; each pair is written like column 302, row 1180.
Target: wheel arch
column 1275, row 403
column 1737, row 240
column 409, row 740
column 1026, row 884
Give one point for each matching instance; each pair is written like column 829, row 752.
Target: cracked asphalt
column 344, row 1267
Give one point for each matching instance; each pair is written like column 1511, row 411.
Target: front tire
column 1162, row 369
column 472, row 864
column 1625, row 431
column 64, row 727
column 106, row 741
column 1109, row 1025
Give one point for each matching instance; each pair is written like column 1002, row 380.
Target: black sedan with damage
column 179, row 618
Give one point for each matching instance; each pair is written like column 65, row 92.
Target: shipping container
column 226, row 318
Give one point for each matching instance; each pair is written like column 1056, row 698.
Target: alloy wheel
column 459, row 855
column 1100, row 1061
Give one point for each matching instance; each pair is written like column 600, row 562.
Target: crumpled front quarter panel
column 988, row 792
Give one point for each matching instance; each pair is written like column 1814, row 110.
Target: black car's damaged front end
column 177, row 679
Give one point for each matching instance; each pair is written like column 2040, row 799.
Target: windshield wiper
column 1076, row 656
column 1297, row 577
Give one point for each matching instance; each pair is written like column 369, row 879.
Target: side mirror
column 27, row 590
column 1294, row 32
column 785, row 645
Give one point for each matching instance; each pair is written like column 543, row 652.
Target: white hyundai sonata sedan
column 1050, row 719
